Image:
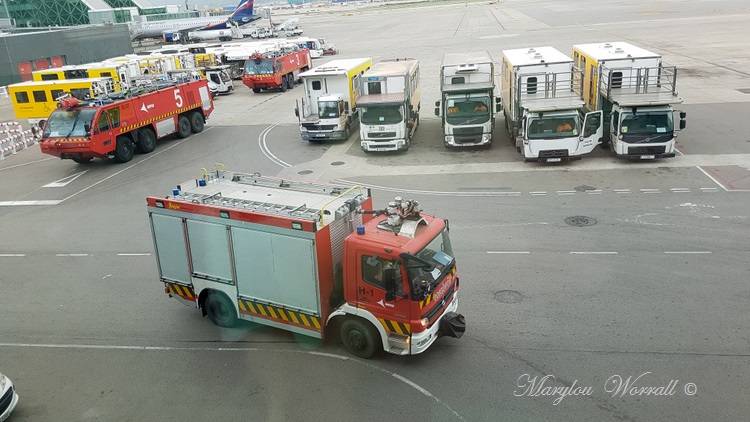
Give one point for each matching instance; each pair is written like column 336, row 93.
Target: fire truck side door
column 394, row 315
column 103, row 127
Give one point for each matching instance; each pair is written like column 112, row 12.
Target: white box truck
column 469, row 99
column 389, row 105
column 329, row 109
column 543, row 106
column 636, row 92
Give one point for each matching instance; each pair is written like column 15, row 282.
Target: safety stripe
column 285, row 316
column 426, row 301
column 128, row 128
column 396, row 327
column 185, row 292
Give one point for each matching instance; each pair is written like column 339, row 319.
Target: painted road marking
column 713, row 179
column 64, row 181
column 566, row 192
column 688, row 252
column 650, row 191
column 11, row 254
column 593, row 253
column 594, row 192
column 72, row 254
column 509, row 252
column 133, row 254
column 25, row 203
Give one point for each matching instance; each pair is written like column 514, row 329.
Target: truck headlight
column 486, row 137
column 425, row 322
column 449, row 138
column 3, row 381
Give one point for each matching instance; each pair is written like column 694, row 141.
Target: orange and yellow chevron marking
column 146, row 122
column 286, row 316
column 426, row 300
column 186, row 292
column 396, row 327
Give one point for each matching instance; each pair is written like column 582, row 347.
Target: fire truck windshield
column 428, row 267
column 67, row 123
column 259, row 67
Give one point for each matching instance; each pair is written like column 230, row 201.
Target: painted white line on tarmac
column 30, row 162
column 566, row 192
column 687, row 252
column 29, row 203
column 713, row 179
column 508, row 252
column 7, row 255
column 594, row 253
column 133, row 254
column 263, row 144
column 72, row 254
column 594, row 192
column 709, row 189
column 650, row 191
column 238, row 349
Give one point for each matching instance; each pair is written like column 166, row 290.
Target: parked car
column 8, row 399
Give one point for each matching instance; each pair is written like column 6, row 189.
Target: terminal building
column 46, row 13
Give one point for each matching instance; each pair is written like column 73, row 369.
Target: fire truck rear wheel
column 124, row 149
column 196, row 122
column 83, row 160
column 220, row 310
column 284, row 85
column 146, row 140
column 183, row 127
column 360, row 338
column 256, row 90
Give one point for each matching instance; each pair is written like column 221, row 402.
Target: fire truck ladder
column 217, row 199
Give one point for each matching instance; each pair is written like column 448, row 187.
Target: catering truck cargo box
column 304, row 256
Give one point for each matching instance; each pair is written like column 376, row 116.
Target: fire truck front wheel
column 183, row 127
column 220, row 310
column 360, row 338
column 124, row 149
column 196, row 122
column 256, row 90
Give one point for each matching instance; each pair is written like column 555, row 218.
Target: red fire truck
column 307, row 257
column 275, row 69
column 117, row 126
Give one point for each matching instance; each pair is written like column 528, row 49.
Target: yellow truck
column 35, row 100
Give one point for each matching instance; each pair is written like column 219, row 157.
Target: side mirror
column 296, row 111
column 437, row 111
column 682, row 124
column 437, row 103
column 390, row 284
column 42, row 123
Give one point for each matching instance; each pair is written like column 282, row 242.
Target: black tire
column 290, row 80
column 83, row 160
column 220, row 310
column 256, row 90
column 146, row 140
column 360, row 338
column 183, row 127
column 347, row 133
column 197, row 123
column 284, row 84
column 124, row 149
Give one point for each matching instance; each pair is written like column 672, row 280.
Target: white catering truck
column 636, row 92
column 389, row 105
column 543, row 106
column 469, row 99
column 329, row 108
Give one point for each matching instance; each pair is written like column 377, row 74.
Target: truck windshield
column 383, row 115
column 66, row 123
column 468, row 111
column 328, row 109
column 259, row 67
column 428, row 267
column 647, row 123
column 553, row 127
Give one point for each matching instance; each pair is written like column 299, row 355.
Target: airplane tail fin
column 244, row 12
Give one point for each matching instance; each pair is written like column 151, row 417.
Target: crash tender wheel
column 83, row 160
column 197, row 123
column 256, row 90
column 124, row 149
column 284, row 84
column 360, row 338
column 146, row 140
column 220, row 310
column 183, row 127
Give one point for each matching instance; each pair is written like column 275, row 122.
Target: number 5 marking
column 177, row 98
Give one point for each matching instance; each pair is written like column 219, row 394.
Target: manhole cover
column 580, row 221
column 305, row 172
column 508, row 296
column 337, row 163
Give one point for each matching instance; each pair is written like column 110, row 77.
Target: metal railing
column 644, row 80
column 14, row 139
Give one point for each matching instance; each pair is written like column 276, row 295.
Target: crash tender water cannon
column 67, row 103
column 403, row 217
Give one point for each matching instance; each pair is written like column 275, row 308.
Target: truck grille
column 656, row 149
column 381, row 135
column 553, row 153
column 313, row 126
column 468, row 131
column 435, row 311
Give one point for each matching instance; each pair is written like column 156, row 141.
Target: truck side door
column 103, row 129
column 393, row 314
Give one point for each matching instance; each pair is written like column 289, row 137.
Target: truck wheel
column 256, row 90
column 183, row 127
column 196, row 122
column 124, row 149
column 220, row 310
column 360, row 338
column 290, row 81
column 146, row 140
column 284, row 84
column 347, row 133
column 83, row 160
